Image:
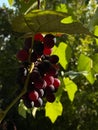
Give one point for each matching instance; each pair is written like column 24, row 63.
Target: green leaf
column 96, row 33
column 11, row 2
column 45, row 22
column 67, row 20
column 70, row 87
column 22, row 109
column 62, row 8
column 53, row 110
column 63, row 51
column 86, row 64
column 95, row 62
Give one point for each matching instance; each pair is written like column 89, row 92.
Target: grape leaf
column 22, row 109
column 45, row 22
column 53, row 110
column 11, row 2
column 70, row 87
column 63, row 51
column 85, row 64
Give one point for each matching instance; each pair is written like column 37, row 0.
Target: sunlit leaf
column 63, row 51
column 96, row 33
column 62, row 8
column 22, row 109
column 67, row 20
column 86, row 64
column 11, row 2
column 70, row 87
column 53, row 110
column 46, row 21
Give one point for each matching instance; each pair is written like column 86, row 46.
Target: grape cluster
column 43, row 82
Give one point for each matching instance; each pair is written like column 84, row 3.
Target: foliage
column 76, row 104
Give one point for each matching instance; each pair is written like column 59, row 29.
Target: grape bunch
column 43, row 81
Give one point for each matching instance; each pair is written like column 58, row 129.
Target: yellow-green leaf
column 53, row 110
column 67, row 20
column 86, row 64
column 22, row 109
column 11, row 2
column 63, row 51
column 70, row 87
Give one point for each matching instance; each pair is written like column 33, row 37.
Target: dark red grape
column 40, row 92
column 38, row 37
column 56, row 82
column 47, row 51
column 49, row 89
column 49, row 79
column 48, row 41
column 53, row 59
column 50, row 97
column 38, row 102
column 22, row 55
column 33, row 95
column 39, row 84
column 35, row 75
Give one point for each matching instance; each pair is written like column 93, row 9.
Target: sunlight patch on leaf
column 70, row 87
column 67, row 20
column 53, row 110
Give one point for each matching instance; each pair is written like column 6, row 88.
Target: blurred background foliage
column 82, row 111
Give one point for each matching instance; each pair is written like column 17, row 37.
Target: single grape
column 49, row 89
column 38, row 37
column 56, row 82
column 38, row 102
column 53, row 59
column 35, row 75
column 39, row 84
column 33, row 95
column 22, row 55
column 50, row 97
column 49, row 79
column 40, row 92
column 47, row 51
column 48, row 41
